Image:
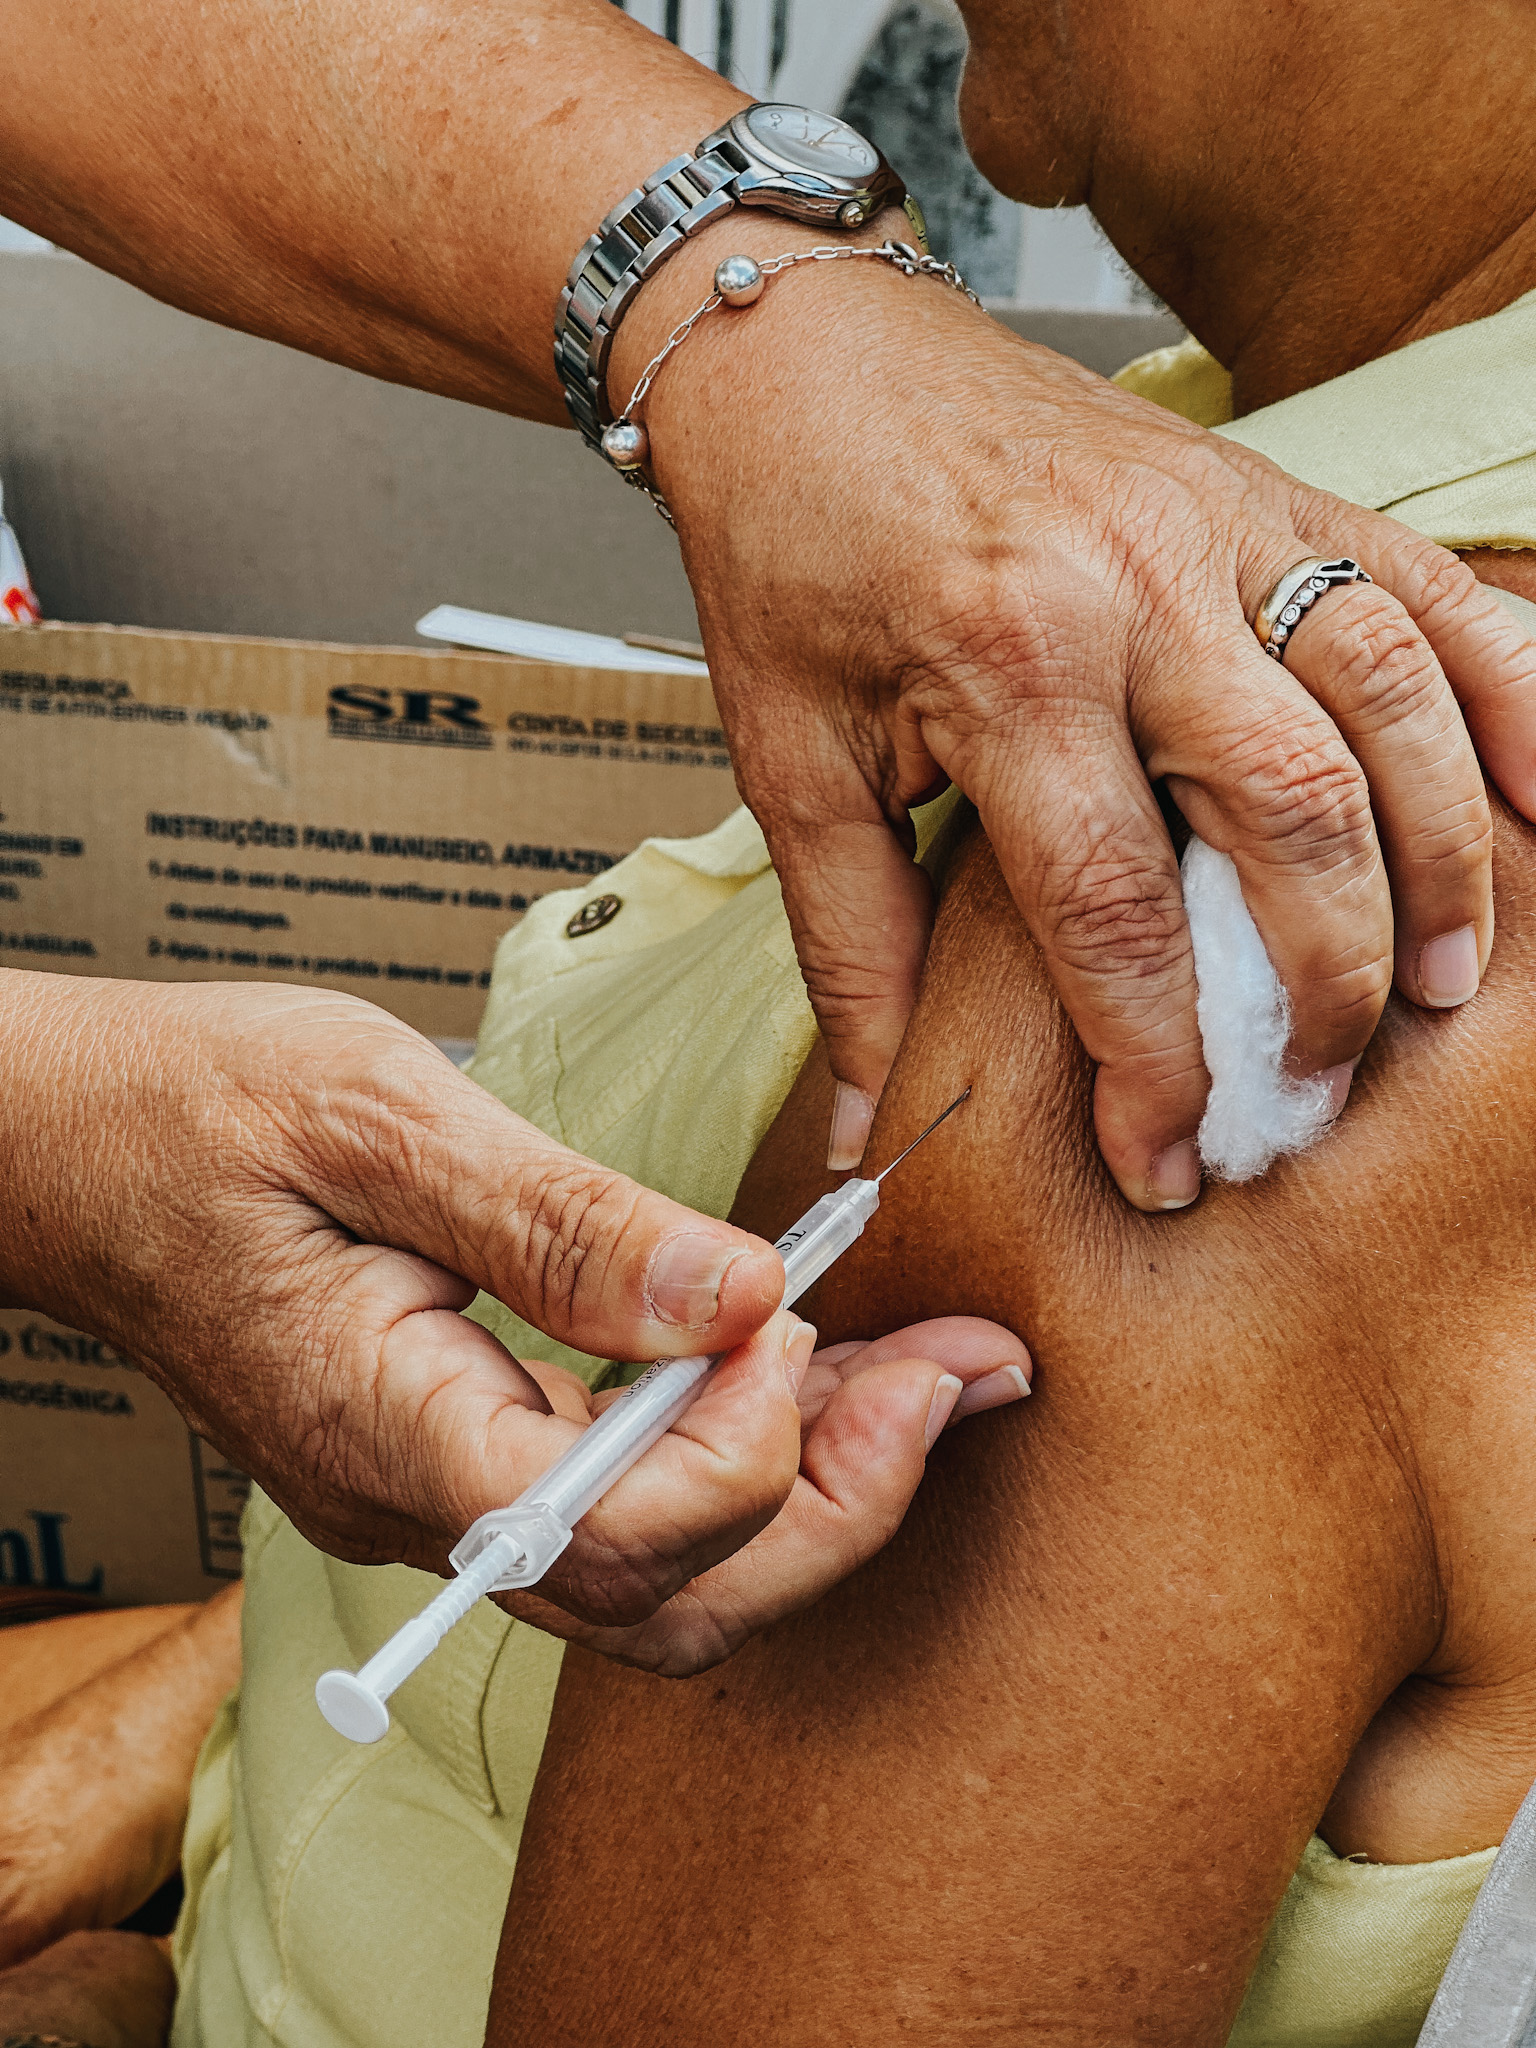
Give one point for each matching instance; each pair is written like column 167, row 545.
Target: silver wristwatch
column 789, row 160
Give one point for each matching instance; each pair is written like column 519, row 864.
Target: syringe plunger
column 353, row 1702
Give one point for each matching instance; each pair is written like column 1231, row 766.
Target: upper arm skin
column 1042, row 1770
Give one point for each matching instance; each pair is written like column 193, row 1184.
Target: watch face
column 807, row 141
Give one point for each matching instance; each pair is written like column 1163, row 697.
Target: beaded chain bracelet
column 741, row 281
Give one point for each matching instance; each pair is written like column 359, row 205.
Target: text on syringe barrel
column 823, row 1234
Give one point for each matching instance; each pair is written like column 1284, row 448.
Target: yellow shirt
column 343, row 1897
column 1442, row 435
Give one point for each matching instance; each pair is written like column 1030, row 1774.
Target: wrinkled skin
column 360, row 1188
column 969, row 559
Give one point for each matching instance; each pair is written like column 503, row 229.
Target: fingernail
column 940, row 1408
column 798, row 1346
column 852, row 1114
column 1174, row 1180
column 1448, row 969
column 1337, row 1080
column 993, row 1391
column 683, row 1284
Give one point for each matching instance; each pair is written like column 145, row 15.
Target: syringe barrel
column 824, row 1233
column 644, row 1413
column 623, row 1433
column 515, row 1546
column 648, row 1409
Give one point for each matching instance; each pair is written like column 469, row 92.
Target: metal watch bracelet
column 646, row 227
column 651, row 224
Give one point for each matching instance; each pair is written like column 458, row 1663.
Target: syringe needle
column 961, row 1097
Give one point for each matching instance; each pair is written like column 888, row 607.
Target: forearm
column 94, row 1790
column 88, row 1081
column 398, row 188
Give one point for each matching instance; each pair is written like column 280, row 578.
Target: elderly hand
column 923, row 549
column 277, row 1201
column 791, row 1469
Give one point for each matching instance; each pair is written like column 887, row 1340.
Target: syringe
column 516, row 1545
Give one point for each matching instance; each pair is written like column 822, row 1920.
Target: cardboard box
column 104, row 1491
column 185, row 807
column 182, row 807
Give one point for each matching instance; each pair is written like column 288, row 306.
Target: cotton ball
column 1256, row 1113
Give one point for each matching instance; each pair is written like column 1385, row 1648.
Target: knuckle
column 1151, row 1069
column 622, row 1581
column 858, row 1537
column 996, row 638
column 1341, row 981
column 1349, row 996
column 358, row 1140
column 1385, row 669
column 743, row 1486
column 850, row 1004
column 1112, row 914
column 1304, row 791
column 1444, row 583
column 860, row 1000
column 992, row 654
column 576, row 1212
column 1456, row 844
column 690, row 1642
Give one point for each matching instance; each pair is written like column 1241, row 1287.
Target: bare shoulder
column 1045, row 1766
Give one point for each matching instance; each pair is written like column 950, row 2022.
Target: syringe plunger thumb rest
column 353, row 1702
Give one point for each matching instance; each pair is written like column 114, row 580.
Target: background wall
column 14, row 238
column 892, row 68
column 162, row 471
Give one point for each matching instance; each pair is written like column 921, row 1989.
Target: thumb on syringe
column 617, row 1269
column 582, row 1253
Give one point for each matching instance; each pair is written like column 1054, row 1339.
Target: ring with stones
column 1294, row 595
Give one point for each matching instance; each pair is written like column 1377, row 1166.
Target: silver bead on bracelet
column 741, row 281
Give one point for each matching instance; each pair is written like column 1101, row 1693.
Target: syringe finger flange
column 532, row 1526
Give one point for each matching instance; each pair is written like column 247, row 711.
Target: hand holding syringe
column 515, row 1546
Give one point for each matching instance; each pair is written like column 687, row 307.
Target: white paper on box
column 18, row 600
column 532, row 640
